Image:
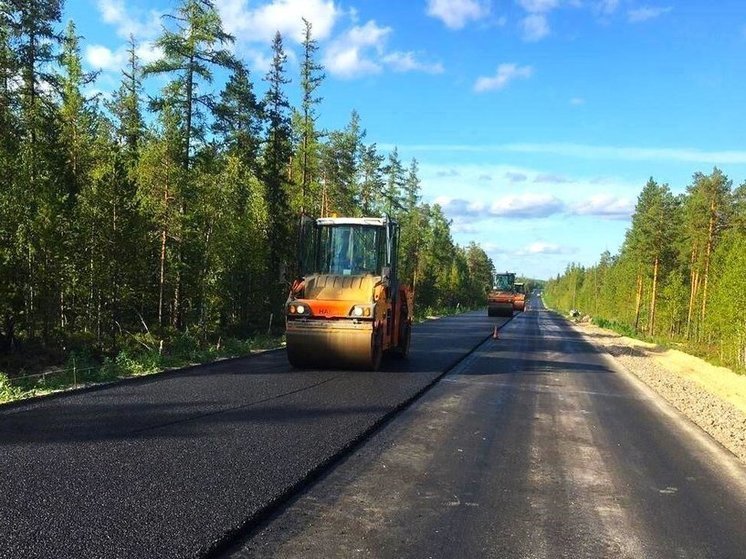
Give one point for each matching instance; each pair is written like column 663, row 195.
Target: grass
column 618, row 327
column 141, row 356
column 707, row 352
column 421, row 315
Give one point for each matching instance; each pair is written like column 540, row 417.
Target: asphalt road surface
column 175, row 465
column 534, row 446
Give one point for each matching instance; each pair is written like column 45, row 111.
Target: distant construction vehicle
column 348, row 306
column 519, row 299
column 500, row 300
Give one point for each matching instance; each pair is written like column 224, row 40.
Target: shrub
column 8, row 392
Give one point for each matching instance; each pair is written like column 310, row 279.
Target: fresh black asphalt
column 169, row 466
column 536, row 446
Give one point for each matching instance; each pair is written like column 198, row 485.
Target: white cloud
column 631, row 153
column 513, row 176
column 585, row 151
column 551, row 178
column 515, row 206
column 148, row 52
column 407, row 62
column 543, row 247
column 535, row 27
column 606, row 206
column 536, row 205
column 526, row 205
column 136, row 23
column 350, row 55
column 455, row 14
column 103, row 58
column 261, row 23
column 505, row 74
column 576, row 101
column 645, row 13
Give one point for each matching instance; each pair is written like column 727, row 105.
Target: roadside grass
column 142, row 355
column 707, row 352
column 618, row 327
column 429, row 313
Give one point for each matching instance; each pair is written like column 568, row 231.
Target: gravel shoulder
column 712, row 397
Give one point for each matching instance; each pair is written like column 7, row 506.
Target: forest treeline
column 176, row 212
column 680, row 274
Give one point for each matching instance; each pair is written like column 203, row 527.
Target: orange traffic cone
column 495, row 335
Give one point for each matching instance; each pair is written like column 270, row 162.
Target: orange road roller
column 500, row 300
column 347, row 307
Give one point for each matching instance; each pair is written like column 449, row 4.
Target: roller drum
column 332, row 344
column 500, row 309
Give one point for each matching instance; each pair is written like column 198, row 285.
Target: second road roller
column 501, row 299
column 347, row 307
column 519, row 300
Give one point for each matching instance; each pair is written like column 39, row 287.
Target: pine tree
column 126, row 104
column 651, row 239
column 706, row 213
column 79, row 298
column 161, row 180
column 311, row 77
column 238, row 118
column 190, row 53
column 411, row 222
column 371, row 181
column 11, row 253
column 339, row 166
column 240, row 240
column 277, row 151
column 39, row 193
column 393, row 196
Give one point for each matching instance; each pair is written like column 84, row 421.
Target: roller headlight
column 300, row 309
column 360, row 311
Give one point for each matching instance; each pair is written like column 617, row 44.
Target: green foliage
column 619, row 328
column 8, row 391
column 688, row 255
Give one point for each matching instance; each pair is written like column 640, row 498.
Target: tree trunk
column 162, row 279
column 638, row 301
column 708, row 254
column 653, row 296
column 693, row 280
column 176, row 321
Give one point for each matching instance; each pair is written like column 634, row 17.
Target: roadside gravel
column 686, row 382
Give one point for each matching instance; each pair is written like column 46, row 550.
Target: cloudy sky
column 535, row 122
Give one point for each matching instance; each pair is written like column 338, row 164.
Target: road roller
column 519, row 299
column 347, row 307
column 501, row 299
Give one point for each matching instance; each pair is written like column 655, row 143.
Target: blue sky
column 535, row 122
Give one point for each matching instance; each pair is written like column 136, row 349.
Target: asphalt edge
column 142, row 379
column 265, row 513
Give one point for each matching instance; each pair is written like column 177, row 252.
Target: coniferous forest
column 168, row 210
column 680, row 275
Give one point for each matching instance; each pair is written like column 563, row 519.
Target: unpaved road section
column 169, row 466
column 538, row 445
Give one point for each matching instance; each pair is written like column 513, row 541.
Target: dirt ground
column 712, row 397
